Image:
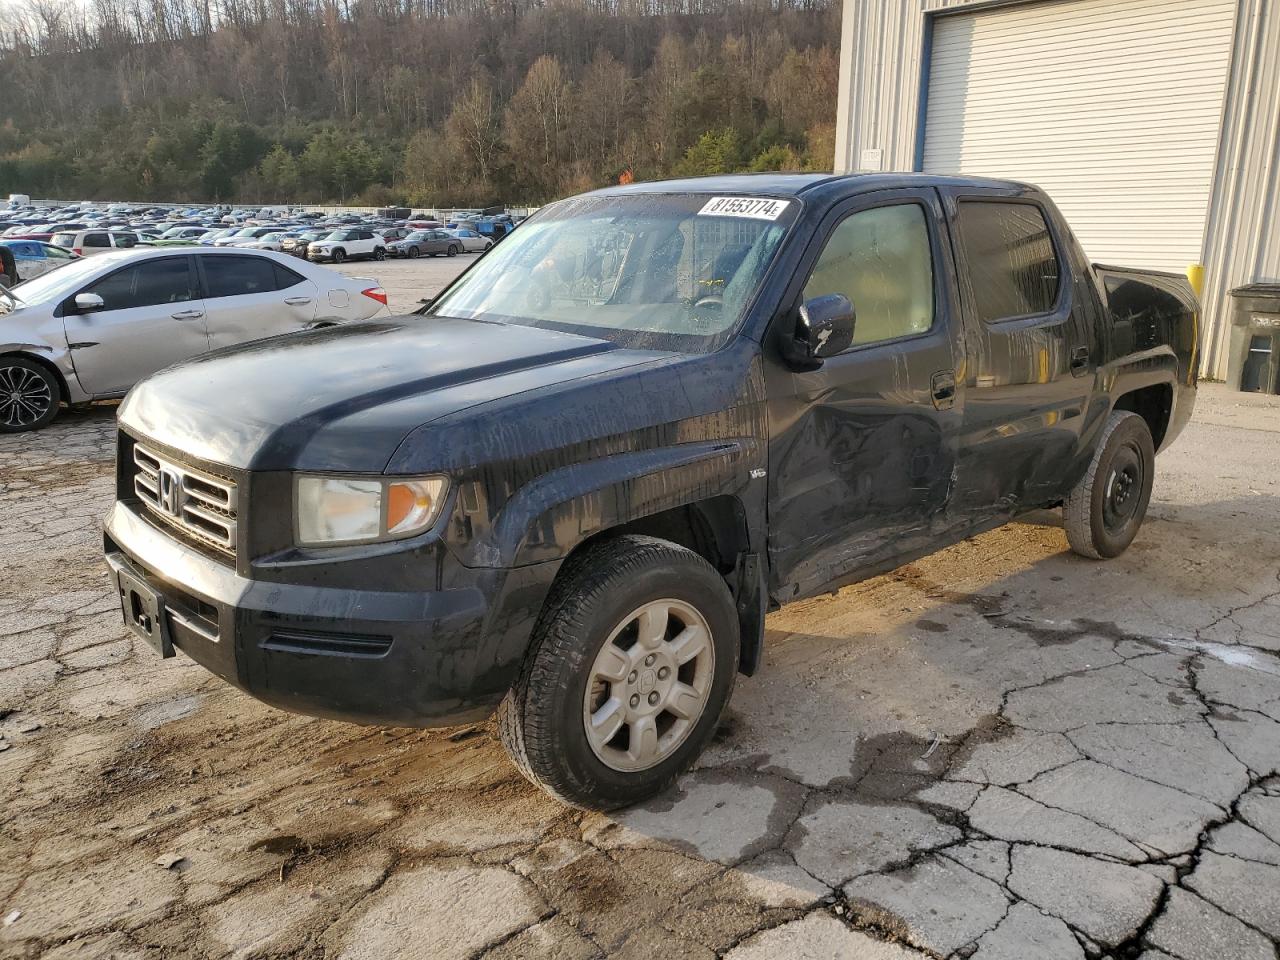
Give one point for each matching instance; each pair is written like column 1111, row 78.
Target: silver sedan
column 95, row 327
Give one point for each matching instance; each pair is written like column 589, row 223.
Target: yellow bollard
column 1195, row 276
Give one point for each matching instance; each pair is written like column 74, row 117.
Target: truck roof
column 796, row 184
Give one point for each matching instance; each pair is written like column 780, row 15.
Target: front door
column 863, row 449
column 251, row 297
column 1030, row 348
column 152, row 316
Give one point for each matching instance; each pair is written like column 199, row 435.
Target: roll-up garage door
column 1112, row 106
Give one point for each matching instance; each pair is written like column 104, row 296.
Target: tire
column 1105, row 510
column 453, row 251
column 339, row 255
column 414, row 253
column 39, row 395
column 379, row 254
column 543, row 721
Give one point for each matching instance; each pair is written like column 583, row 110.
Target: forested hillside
column 430, row 102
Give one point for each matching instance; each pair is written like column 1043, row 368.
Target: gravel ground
column 1002, row 750
column 408, row 281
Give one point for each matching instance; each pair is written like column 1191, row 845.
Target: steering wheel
column 712, row 300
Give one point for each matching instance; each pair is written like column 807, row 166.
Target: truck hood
column 343, row 398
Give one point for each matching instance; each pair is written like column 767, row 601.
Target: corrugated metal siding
column 1242, row 241
column 879, row 101
column 1112, row 106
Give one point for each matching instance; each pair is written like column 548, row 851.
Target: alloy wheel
column 649, row 685
column 25, row 397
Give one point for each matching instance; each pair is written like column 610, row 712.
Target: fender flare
column 551, row 515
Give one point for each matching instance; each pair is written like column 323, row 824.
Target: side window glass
column 146, row 285
column 125, row 240
column 882, row 261
column 238, row 276
column 286, row 278
column 1013, row 270
column 96, row 240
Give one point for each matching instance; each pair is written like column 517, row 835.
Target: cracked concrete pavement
column 1003, row 751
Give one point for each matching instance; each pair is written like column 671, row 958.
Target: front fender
column 550, row 516
column 61, row 361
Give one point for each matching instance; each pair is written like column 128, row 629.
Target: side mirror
column 824, row 328
column 89, row 302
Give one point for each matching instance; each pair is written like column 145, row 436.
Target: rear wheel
column 453, row 251
column 29, row 395
column 1106, row 508
column 632, row 663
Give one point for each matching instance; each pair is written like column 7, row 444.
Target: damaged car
column 572, row 487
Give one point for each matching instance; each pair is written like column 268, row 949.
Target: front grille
column 197, row 503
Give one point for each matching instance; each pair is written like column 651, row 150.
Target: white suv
column 348, row 244
column 90, row 243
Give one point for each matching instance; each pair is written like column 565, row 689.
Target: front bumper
column 367, row 656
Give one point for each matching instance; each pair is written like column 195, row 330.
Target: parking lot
column 1002, row 751
column 408, row 281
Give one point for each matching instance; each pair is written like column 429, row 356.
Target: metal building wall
column 882, row 51
column 1242, row 239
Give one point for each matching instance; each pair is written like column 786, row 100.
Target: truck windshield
column 662, row 272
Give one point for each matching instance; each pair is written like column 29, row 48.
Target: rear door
column 152, row 316
column 1030, row 320
column 250, row 297
column 862, row 450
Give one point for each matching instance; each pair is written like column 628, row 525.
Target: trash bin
column 1254, row 363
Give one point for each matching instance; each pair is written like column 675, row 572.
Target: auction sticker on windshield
column 753, row 208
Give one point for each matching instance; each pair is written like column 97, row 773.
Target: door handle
column 943, row 388
column 188, row 315
column 297, row 301
column 1079, row 360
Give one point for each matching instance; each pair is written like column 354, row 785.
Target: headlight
column 333, row 510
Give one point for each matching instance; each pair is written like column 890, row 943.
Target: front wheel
column 379, row 254
column 414, row 253
column 1104, row 511
column 29, row 395
column 339, row 256
column 632, row 662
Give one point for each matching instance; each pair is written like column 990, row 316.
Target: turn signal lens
column 413, row 505
column 376, row 293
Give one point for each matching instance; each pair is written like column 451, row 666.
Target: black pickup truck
column 572, row 486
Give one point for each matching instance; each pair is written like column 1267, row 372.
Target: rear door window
column 238, row 276
column 96, row 240
column 1013, row 267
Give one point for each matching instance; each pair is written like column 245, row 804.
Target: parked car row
column 88, row 231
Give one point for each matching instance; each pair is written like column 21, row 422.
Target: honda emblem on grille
column 171, row 494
